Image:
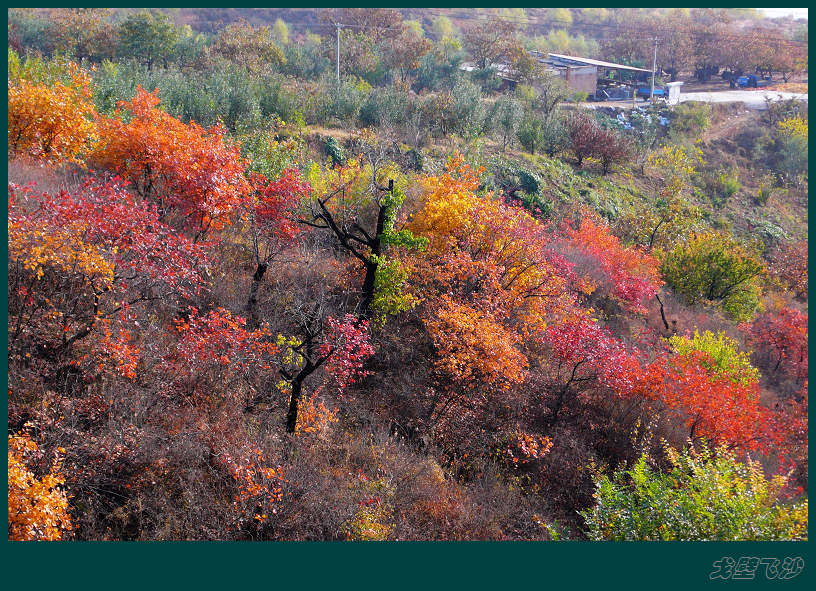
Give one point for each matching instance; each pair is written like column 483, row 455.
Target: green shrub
column 542, row 134
column 721, row 185
column 416, row 159
column 335, row 151
column 504, row 118
column 689, row 120
column 269, row 153
column 726, row 358
column 766, row 189
column 714, row 267
column 728, row 184
column 793, row 156
column 383, row 106
column 468, row 109
column 511, row 178
column 703, row 496
column 438, row 70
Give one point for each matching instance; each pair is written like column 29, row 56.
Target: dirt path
column 725, row 127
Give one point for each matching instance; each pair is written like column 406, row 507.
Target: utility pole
column 338, row 25
column 654, row 69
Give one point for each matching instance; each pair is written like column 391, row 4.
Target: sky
column 777, row 12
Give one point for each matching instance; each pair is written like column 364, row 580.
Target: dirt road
column 753, row 99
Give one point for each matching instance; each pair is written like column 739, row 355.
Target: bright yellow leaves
column 52, row 122
column 794, row 127
column 677, row 164
column 37, row 507
column 449, row 200
column 38, row 248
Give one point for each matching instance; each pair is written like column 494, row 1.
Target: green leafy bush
column 335, row 151
column 766, row 189
column 714, row 267
column 689, row 120
column 542, row 134
column 726, row 358
column 719, row 186
column 702, row 496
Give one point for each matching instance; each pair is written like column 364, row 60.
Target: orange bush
column 184, row 167
column 52, row 122
column 37, row 507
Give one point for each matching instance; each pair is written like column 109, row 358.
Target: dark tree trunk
column 368, row 288
column 252, row 302
column 291, row 415
column 371, row 263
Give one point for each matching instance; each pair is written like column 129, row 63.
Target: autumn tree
column 273, row 222
column 583, row 134
column 37, row 507
column 84, row 33
column 666, row 221
column 488, row 281
column 342, row 345
column 632, row 274
column 723, row 352
column 280, row 32
column 358, row 205
column 488, row 42
column 378, row 23
column 249, row 46
column 709, row 402
column 780, row 342
column 586, row 358
column 194, row 172
column 712, row 404
column 612, row 148
column 404, row 52
column 77, row 263
column 50, row 114
column 789, row 264
column 217, row 352
column 361, row 42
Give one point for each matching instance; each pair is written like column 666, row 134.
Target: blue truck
column 751, row 81
column 646, row 91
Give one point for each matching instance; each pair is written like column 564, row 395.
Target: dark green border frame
column 390, row 565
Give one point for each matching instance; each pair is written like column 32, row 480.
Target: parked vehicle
column 646, row 92
column 752, row 81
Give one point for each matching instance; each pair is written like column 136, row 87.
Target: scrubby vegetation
column 250, row 302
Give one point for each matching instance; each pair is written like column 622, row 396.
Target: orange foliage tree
column 51, row 121
column 488, row 280
column 37, row 507
column 185, row 168
column 711, row 405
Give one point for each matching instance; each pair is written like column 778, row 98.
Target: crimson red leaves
column 348, row 346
